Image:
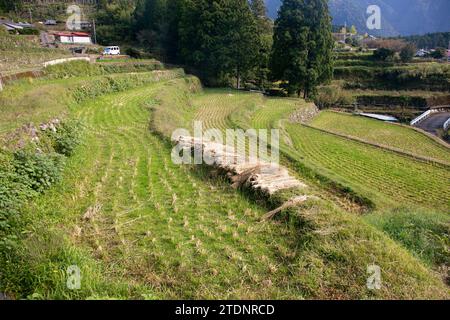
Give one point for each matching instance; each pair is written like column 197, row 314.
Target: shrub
column 38, row 170
column 29, row 31
column 384, row 54
column 84, row 68
column 66, row 137
column 407, row 53
column 439, row 53
column 73, row 69
column 133, row 53
column 332, row 96
column 22, row 176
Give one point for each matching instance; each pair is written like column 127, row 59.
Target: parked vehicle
column 111, row 51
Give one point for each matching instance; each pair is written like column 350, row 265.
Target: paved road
column 434, row 122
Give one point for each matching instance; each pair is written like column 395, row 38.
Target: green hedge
column 84, row 68
column 363, row 77
column 115, row 83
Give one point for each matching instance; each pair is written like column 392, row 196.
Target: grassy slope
column 378, row 132
column 41, row 100
column 168, row 231
column 389, row 179
column 219, row 108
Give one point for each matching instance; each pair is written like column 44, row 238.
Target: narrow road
column 434, row 122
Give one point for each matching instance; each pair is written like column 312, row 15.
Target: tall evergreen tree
column 265, row 41
column 8, row 5
column 218, row 38
column 303, row 46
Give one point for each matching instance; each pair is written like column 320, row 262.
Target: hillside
column 109, row 190
column 399, row 17
column 140, row 226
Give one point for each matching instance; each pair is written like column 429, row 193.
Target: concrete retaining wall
column 64, row 60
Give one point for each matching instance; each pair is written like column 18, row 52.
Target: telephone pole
column 95, row 31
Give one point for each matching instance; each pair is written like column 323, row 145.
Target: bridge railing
column 446, row 124
column 422, row 117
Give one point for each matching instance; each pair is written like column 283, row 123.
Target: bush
column 38, row 170
column 66, row 137
column 384, row 54
column 133, row 53
column 29, row 31
column 407, row 53
column 439, row 53
column 84, row 68
column 332, row 96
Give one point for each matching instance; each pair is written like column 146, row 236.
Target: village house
column 422, row 53
column 72, row 37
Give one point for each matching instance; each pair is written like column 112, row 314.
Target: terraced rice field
column 154, row 229
column 19, row 54
column 389, row 179
column 167, row 226
column 382, row 133
column 215, row 108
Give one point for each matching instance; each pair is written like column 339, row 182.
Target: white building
column 422, row 53
column 73, row 38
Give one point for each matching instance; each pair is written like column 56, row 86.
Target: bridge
column 433, row 120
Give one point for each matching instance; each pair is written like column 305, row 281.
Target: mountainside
column 399, row 17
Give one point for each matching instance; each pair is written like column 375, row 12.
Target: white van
column 111, row 51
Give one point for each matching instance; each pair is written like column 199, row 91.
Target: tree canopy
column 218, row 38
column 303, row 46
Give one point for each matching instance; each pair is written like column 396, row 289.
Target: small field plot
column 382, row 133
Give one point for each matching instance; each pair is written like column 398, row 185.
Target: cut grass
column 162, row 225
column 378, row 132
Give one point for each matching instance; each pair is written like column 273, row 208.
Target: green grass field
column 389, row 179
column 187, row 236
column 378, row 132
column 139, row 226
